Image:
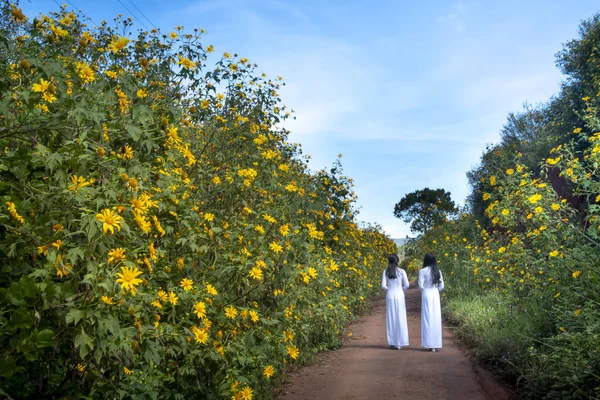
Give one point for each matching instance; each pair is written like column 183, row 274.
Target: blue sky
column 410, row 92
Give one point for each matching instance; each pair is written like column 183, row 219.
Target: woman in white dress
column 395, row 281
column 431, row 283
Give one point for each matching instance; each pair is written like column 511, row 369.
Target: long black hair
column 431, row 262
column 392, row 270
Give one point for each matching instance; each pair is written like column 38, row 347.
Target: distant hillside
column 400, row 242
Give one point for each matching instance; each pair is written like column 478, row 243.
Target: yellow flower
column 58, row 31
column 535, row 198
column 110, row 220
column 254, row 316
column 157, row 304
column 553, row 253
column 555, row 207
column 493, row 180
column 127, row 371
column 576, row 274
column 577, row 130
column 216, row 180
column 187, row 63
column 505, row 212
column 173, row 35
column 61, row 268
column 85, row 72
column 17, row 14
column 116, row 255
column 12, row 210
column 78, row 183
column 200, row 309
column 210, row 49
column 284, row 230
column 158, row 226
column 256, row 273
column 501, row 250
column 288, row 336
column 142, row 221
column 210, row 289
column 312, row 272
column 538, row 210
column 230, row 312
column 127, row 152
column 209, row 217
column 173, row 299
column 510, row 171
column 42, row 107
column 275, row 247
column 152, row 251
column 245, row 393
column 140, row 204
column 118, row 44
column 128, row 278
column 42, row 87
column 200, row 335
column 163, row 295
column 42, row 250
column 107, row 300
column 486, row 196
column 186, row 284
column 268, row 371
column 293, row 352
column 270, row 219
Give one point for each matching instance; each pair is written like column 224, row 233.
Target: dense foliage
column 159, row 236
column 425, row 208
column 522, row 267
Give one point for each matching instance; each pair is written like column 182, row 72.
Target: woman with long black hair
column 395, row 282
column 431, row 283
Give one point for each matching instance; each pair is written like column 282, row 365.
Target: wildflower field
column 522, row 261
column 159, row 236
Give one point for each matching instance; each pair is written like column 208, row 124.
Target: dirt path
column 364, row 368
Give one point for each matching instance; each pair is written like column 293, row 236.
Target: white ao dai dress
column 431, row 310
column 395, row 308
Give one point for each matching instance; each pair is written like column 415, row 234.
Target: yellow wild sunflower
column 128, row 279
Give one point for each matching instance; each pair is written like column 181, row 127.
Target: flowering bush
column 533, row 275
column 158, row 233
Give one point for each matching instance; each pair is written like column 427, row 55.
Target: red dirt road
column 364, row 367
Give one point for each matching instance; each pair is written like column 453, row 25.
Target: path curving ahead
column 365, row 368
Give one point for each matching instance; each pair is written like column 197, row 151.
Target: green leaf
column 134, row 131
column 8, row 367
column 45, row 338
column 142, row 113
column 28, row 286
column 74, row 254
column 84, row 342
column 75, row 315
column 21, row 318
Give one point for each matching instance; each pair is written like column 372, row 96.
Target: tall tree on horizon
column 425, row 208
